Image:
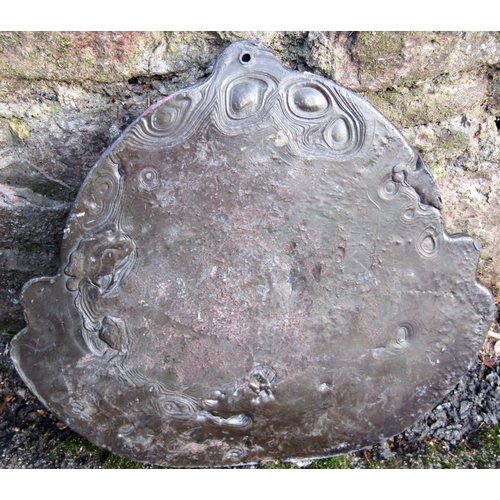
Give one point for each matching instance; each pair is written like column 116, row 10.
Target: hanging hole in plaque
column 246, row 58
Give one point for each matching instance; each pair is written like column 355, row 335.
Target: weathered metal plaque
column 256, row 269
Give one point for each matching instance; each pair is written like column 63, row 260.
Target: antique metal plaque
column 256, row 269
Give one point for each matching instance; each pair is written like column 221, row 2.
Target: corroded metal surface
column 256, row 269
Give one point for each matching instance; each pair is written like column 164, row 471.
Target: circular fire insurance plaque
column 256, row 269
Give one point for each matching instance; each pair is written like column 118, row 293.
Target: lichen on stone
column 19, row 128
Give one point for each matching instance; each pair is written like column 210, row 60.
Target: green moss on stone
column 63, row 43
column 9, row 38
column 454, row 141
column 338, row 462
column 88, row 60
column 277, row 464
column 438, row 171
column 378, row 50
column 55, row 108
column 116, row 462
column 8, row 333
column 78, row 445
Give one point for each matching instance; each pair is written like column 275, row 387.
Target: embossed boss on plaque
column 256, row 269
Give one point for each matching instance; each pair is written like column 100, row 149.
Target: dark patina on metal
column 256, row 269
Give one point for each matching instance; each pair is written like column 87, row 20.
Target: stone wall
column 64, row 97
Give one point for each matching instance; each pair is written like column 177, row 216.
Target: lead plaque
column 256, row 269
